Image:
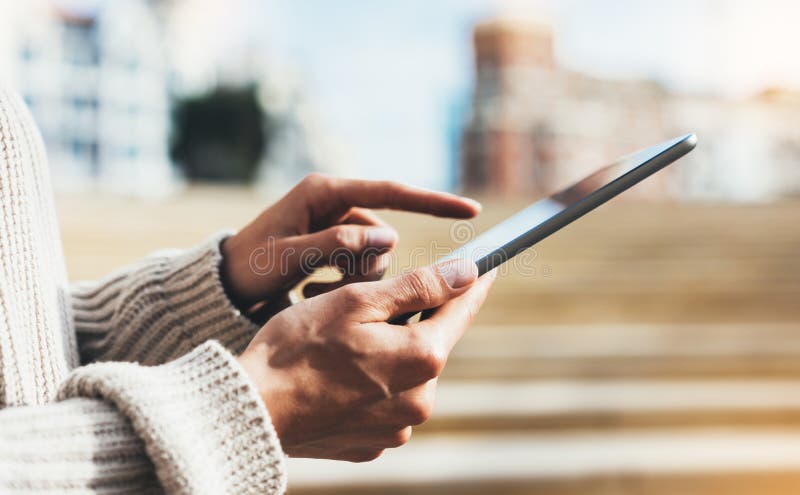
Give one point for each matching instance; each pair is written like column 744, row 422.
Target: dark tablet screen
column 544, row 217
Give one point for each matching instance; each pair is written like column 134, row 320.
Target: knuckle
column 430, row 361
column 384, row 185
column 417, row 411
column 314, row 179
column 399, row 438
column 350, row 296
column 363, row 455
column 420, row 285
column 344, row 236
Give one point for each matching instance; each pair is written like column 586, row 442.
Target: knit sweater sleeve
column 159, row 309
column 191, row 426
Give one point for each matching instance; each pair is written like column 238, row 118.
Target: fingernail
column 381, row 237
column 458, row 273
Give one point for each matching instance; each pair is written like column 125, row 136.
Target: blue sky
column 385, row 75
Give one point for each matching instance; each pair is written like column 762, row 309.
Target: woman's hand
column 323, row 221
column 341, row 383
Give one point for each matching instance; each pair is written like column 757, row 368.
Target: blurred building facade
column 95, row 79
column 536, row 127
column 99, row 77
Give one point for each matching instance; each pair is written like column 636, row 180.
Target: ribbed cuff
column 159, row 309
column 72, row 446
column 202, row 422
column 193, row 284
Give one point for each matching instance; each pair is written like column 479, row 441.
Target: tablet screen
column 538, row 213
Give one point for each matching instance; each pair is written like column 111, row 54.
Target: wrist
column 254, row 362
column 251, row 362
column 228, row 274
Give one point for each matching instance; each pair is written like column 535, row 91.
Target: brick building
column 96, row 83
column 536, row 127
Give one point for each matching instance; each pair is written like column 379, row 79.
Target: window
column 30, row 101
column 80, row 103
column 27, row 52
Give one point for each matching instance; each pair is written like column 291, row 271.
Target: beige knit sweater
column 185, row 419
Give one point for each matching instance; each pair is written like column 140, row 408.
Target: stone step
column 508, row 352
column 597, row 297
column 694, row 461
column 632, row 262
column 551, row 405
column 655, row 263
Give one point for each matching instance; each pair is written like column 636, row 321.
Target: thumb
column 421, row 289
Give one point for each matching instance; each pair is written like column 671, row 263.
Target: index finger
column 397, row 196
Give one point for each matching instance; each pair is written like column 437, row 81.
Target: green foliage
column 220, row 136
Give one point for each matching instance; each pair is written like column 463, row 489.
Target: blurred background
column 653, row 347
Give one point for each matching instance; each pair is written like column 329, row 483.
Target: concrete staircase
column 655, row 350
column 678, row 409
column 662, row 461
column 621, row 376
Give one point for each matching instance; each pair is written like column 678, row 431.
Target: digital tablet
column 544, row 217
column 541, row 219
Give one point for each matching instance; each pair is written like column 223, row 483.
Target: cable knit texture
column 164, row 408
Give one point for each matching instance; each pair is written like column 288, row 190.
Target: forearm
column 159, row 309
